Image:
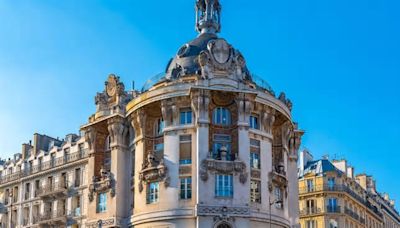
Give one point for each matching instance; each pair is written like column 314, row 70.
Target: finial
column 208, row 16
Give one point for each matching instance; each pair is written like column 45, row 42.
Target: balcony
column 54, row 191
column 57, row 218
column 332, row 188
column 310, row 211
column 44, row 166
column 333, row 209
column 352, row 214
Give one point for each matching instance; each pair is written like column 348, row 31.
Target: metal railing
column 310, row 211
column 45, row 166
column 333, row 209
column 354, row 215
column 52, row 215
column 51, row 188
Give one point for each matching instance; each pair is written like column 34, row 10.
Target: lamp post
column 276, row 201
column 11, row 211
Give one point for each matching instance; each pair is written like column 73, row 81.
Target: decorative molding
column 102, row 184
column 223, row 166
column 222, row 211
column 153, row 170
column 118, row 131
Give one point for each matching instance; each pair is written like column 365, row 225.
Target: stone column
column 138, row 121
column 90, row 138
column 169, row 196
column 266, row 167
column 293, row 188
column 120, row 167
column 245, row 104
column 204, row 191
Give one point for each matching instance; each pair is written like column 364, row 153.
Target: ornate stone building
column 330, row 195
column 205, row 144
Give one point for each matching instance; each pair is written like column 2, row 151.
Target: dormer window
column 221, row 116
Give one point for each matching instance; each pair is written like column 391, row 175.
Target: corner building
column 205, row 144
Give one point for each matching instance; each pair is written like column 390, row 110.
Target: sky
column 337, row 60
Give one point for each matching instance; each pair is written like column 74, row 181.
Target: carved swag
column 153, row 169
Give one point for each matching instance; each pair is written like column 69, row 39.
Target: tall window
column 159, row 127
column 332, row 205
column 102, row 202
column 185, row 149
column 37, row 186
column 185, row 116
column 152, row 192
column 331, row 183
column 219, row 141
column 255, row 191
column 255, row 154
column 221, row 116
column 77, row 177
column 311, row 224
column 310, row 185
column 255, row 160
column 223, row 185
column 186, row 188
column 254, row 122
column 27, row 190
column 310, row 206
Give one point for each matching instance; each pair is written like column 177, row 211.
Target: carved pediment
column 235, row 167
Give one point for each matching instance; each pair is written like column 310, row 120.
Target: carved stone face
column 111, row 86
column 220, row 50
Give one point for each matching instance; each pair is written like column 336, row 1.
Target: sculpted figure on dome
column 204, row 60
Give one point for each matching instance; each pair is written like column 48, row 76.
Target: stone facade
column 330, row 195
column 206, row 144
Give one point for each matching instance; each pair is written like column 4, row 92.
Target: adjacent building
column 331, row 195
column 205, row 144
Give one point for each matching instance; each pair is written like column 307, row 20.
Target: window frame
column 185, row 188
column 222, row 116
column 254, row 122
column 223, row 186
column 101, row 202
column 185, row 116
column 153, row 191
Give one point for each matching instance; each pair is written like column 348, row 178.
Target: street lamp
column 277, row 202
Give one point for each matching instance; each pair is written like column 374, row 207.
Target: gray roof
column 319, row 167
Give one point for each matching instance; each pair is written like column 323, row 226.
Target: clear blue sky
column 339, row 62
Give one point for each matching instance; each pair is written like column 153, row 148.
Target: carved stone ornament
column 153, row 170
column 235, row 167
column 221, row 211
column 102, row 184
column 221, row 53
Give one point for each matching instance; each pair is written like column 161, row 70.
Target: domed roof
column 186, row 59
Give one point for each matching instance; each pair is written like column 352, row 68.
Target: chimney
column 392, row 203
column 362, row 180
column 340, row 165
column 26, row 149
column 350, row 172
column 304, row 158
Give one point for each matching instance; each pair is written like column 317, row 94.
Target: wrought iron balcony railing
column 310, row 211
column 44, row 166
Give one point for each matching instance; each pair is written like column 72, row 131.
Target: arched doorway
column 223, row 225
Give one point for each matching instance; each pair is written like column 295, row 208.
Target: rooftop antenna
column 133, row 84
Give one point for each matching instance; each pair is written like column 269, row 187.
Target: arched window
column 224, row 225
column 221, row 116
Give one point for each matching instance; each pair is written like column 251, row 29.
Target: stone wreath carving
column 223, row 166
column 153, row 169
column 102, row 184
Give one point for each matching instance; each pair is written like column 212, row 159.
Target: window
column 311, row 224
column 185, row 149
column 255, row 191
column 310, row 185
column 186, row 188
column 310, row 206
column 53, row 159
column 255, row 160
column 77, row 177
column 27, row 190
column 254, row 122
column 101, row 202
column 63, row 181
column 37, row 186
column 332, row 205
column 219, row 141
column 185, row 116
column 223, row 185
column 221, row 116
column 331, row 183
column 159, row 127
column 77, row 208
column 159, row 148
column 152, row 192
